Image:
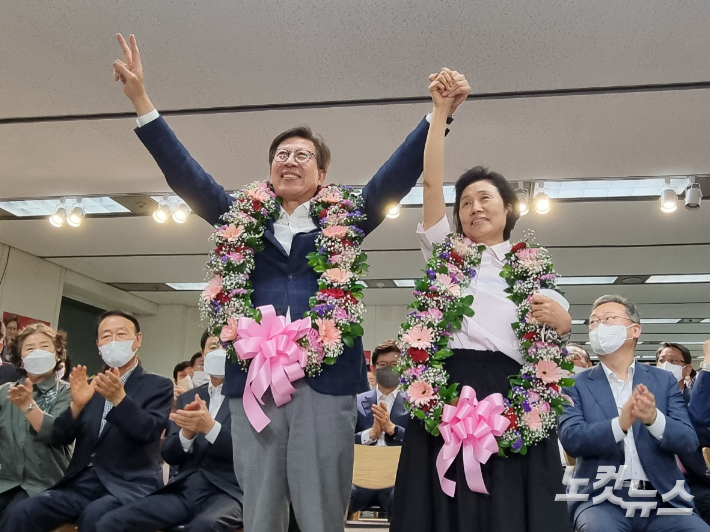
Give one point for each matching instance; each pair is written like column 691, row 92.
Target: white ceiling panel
column 540, row 138
column 236, row 53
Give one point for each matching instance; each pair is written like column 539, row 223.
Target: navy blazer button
column 291, row 277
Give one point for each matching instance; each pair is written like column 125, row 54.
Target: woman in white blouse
column 521, row 488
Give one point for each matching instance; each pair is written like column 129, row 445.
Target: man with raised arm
column 304, row 453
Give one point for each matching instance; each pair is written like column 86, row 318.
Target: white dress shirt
column 216, row 400
column 389, row 401
column 490, row 327
column 622, row 391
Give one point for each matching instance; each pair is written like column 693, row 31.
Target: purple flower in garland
column 518, row 443
column 526, row 406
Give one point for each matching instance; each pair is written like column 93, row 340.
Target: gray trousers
column 304, row 456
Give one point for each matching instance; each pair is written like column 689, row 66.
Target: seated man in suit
column 381, row 420
column 205, row 493
column 626, row 413
column 695, row 470
column 116, row 421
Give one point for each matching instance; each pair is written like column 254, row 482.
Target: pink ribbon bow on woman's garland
column 277, row 360
column 474, row 426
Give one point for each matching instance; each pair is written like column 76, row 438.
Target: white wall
column 382, row 323
column 171, row 335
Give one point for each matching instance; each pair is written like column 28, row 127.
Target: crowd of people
column 128, row 450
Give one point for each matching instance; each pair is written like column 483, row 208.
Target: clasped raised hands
column 194, row 418
column 448, row 89
column 641, row 405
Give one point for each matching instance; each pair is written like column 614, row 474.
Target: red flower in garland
column 456, row 258
column 419, row 356
column 323, row 213
column 529, row 335
column 222, row 298
column 513, row 420
column 256, row 205
column 518, row 247
column 334, row 292
column 351, row 298
column 553, row 386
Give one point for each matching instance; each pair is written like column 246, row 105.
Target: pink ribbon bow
column 277, row 360
column 474, row 426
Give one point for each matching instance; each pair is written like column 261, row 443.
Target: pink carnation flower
column 335, row 231
column 231, row 232
column 434, row 314
column 335, row 259
column 259, row 194
column 532, row 419
column 548, row 371
column 418, row 337
column 229, row 331
column 533, row 397
column 420, row 393
column 330, row 195
column 328, row 332
column 214, row 287
column 340, row 314
column 235, row 257
column 337, row 275
column 543, row 408
column 448, row 285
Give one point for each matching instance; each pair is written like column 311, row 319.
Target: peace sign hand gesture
column 129, row 71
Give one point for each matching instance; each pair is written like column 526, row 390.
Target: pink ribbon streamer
column 277, row 360
column 474, row 426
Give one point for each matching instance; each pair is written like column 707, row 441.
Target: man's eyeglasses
column 382, row 365
column 300, row 156
column 606, row 320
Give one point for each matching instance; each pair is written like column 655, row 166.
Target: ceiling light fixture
column 162, row 213
column 693, row 195
column 181, row 212
column 669, row 199
column 393, row 212
column 523, row 199
column 542, row 201
column 60, row 214
column 78, row 211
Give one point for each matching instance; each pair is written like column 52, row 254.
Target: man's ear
column 321, row 176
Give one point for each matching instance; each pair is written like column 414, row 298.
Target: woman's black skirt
column 521, row 489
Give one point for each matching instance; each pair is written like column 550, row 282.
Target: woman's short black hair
column 505, row 190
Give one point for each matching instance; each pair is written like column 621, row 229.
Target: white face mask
column 200, row 378
column 39, row 362
column 117, row 354
column 215, row 362
column 607, row 339
column 676, row 370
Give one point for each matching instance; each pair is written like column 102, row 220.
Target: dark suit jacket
column 365, row 418
column 586, row 434
column 126, row 456
column 215, row 460
column 699, row 410
column 280, row 279
column 9, row 373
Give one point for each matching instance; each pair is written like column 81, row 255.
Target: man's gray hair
column 631, row 311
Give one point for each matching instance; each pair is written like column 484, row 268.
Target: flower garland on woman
column 458, row 353
column 336, row 309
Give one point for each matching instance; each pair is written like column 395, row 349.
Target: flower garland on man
column 281, row 462
column 458, row 353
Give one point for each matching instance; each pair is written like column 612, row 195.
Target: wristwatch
column 30, row 408
column 705, row 366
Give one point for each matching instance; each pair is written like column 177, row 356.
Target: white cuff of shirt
column 436, row 233
column 619, row 433
column 186, row 444
column 365, row 438
column 147, row 118
column 211, row 436
column 659, row 426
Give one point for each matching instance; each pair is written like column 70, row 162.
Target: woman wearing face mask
column 521, row 489
column 29, row 464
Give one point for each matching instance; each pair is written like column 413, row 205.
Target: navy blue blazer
column 126, row 456
column 365, row 418
column 586, row 434
column 280, row 279
column 699, row 410
column 214, row 460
